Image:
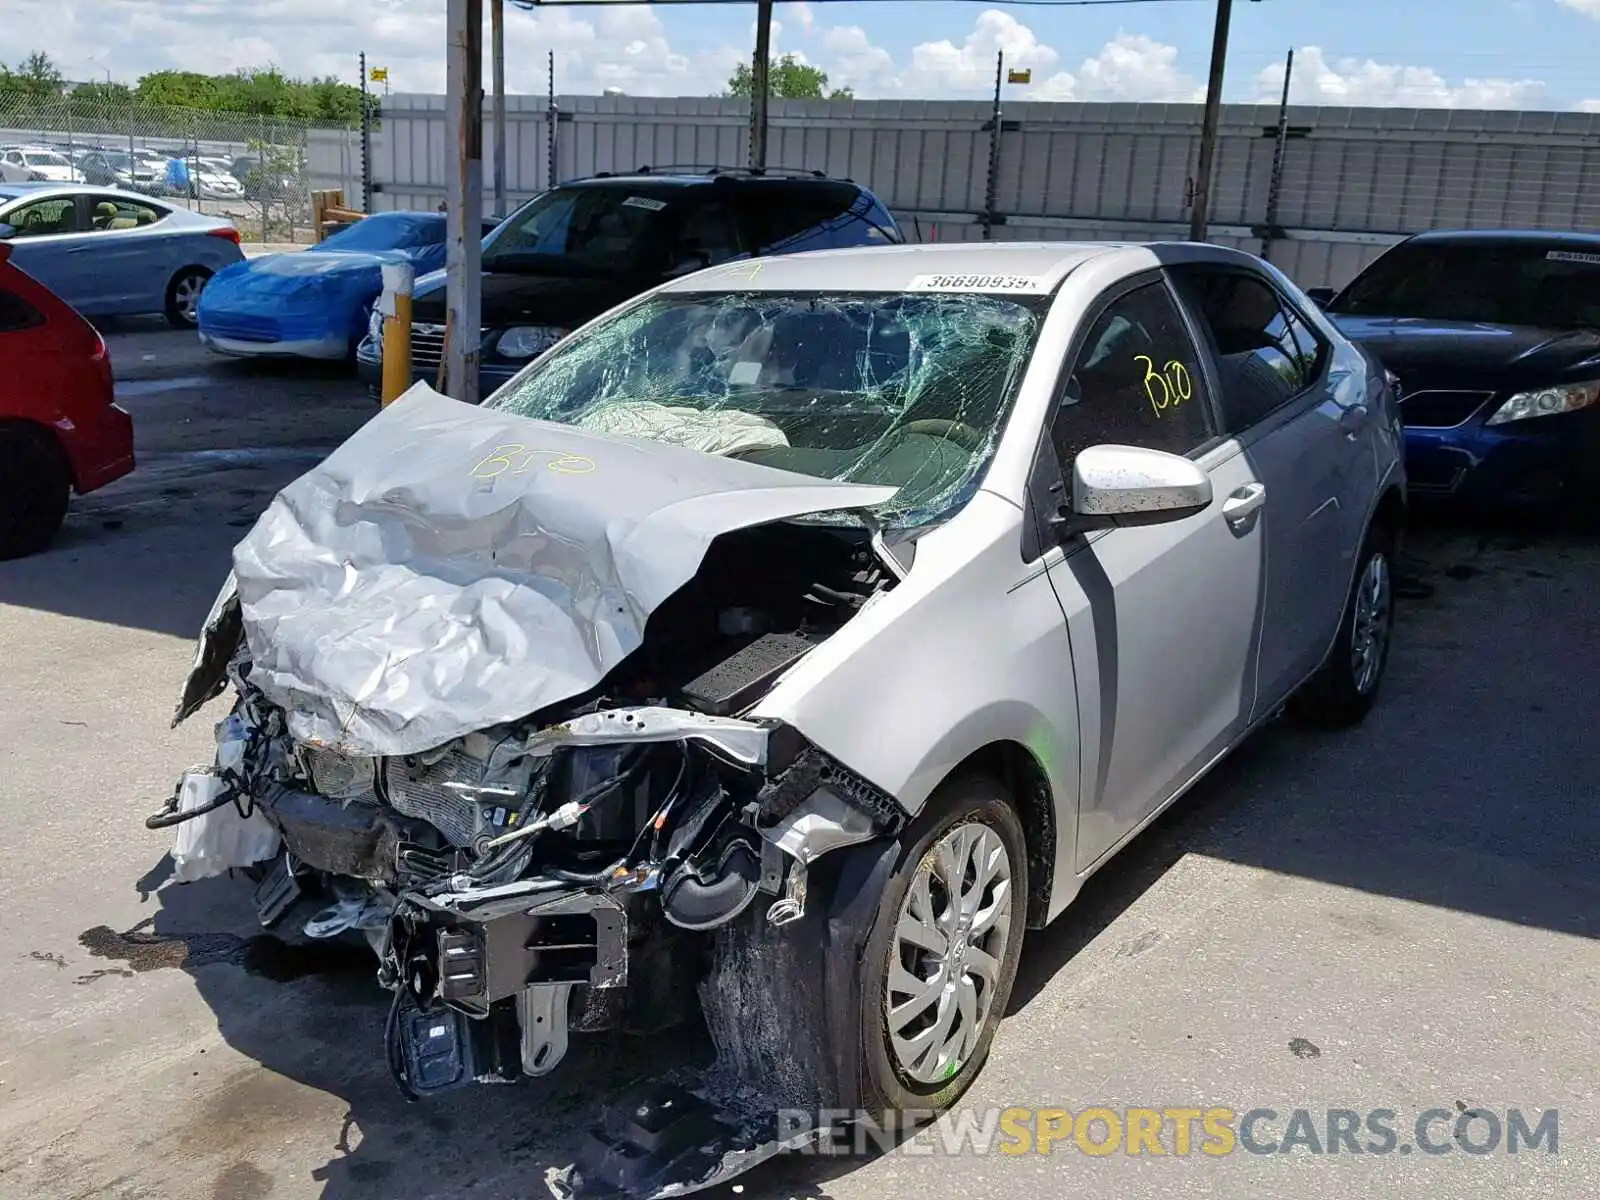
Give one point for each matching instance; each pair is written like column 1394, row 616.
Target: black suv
column 581, row 248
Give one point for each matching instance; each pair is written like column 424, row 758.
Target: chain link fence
column 252, row 170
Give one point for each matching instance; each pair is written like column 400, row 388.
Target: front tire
column 886, row 996
column 35, row 487
column 943, row 953
column 183, row 297
column 1342, row 693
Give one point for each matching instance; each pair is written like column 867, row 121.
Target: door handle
column 1242, row 503
column 1353, row 419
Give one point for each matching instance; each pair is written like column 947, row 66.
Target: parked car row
column 254, row 175
column 586, row 729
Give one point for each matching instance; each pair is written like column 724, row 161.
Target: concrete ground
column 1403, row 917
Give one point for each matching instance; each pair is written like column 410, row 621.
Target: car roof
column 1507, row 237
column 705, row 177
column 15, row 191
column 1016, row 268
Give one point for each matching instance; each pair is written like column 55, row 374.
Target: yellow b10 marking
column 504, row 461
column 1172, row 382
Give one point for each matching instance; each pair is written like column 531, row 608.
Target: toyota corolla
column 785, row 644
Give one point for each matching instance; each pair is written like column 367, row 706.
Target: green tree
column 178, row 89
column 35, row 77
column 103, row 93
column 788, row 79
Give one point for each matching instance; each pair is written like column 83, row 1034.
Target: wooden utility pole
column 1200, row 211
column 760, row 83
column 497, row 54
column 464, row 199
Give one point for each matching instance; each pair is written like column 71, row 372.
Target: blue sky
column 1465, row 53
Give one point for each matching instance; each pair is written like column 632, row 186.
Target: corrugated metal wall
column 1352, row 182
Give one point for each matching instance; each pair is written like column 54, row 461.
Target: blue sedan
column 314, row 303
column 113, row 253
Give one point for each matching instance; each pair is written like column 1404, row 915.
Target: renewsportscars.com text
column 1179, row 1131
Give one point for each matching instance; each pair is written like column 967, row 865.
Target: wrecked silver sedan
column 782, row 645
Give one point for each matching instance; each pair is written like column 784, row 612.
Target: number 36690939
column 1169, row 386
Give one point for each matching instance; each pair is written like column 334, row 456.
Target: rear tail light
column 227, row 231
column 101, row 357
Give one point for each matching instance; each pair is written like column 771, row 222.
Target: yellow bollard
column 395, row 305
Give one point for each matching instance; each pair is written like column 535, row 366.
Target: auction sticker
column 974, row 283
column 1573, row 256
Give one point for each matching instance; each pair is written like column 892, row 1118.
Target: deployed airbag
column 452, row 567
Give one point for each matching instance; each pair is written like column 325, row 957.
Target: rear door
column 129, row 268
column 1276, row 398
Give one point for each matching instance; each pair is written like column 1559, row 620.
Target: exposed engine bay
column 560, row 873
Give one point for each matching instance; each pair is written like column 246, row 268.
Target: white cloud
column 1360, row 82
column 1589, row 106
column 624, row 46
column 802, row 14
column 853, row 61
column 1589, row 8
column 1129, row 67
column 938, row 68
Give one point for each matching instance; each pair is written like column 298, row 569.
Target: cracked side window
column 908, row 390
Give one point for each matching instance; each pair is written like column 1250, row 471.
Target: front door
column 45, row 232
column 1163, row 619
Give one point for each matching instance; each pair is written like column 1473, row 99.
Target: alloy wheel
column 948, row 948
column 1369, row 635
column 187, row 296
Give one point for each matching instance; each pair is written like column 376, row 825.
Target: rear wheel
column 183, row 296
column 34, row 489
column 1345, row 689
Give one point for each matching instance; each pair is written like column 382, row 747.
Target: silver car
column 804, row 630
column 111, row 252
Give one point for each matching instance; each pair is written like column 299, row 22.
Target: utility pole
column 994, row 150
column 759, row 86
column 366, row 141
column 552, row 116
column 464, row 199
column 1201, row 198
column 497, row 55
column 1275, row 187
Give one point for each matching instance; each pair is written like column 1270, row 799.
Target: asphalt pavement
column 1404, row 917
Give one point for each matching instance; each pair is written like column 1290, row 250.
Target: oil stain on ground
column 266, row 956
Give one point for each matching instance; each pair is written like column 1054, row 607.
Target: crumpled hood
column 451, row 567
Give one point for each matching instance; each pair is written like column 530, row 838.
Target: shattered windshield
column 909, row 391
column 595, row 229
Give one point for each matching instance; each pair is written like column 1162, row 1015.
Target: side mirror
column 1120, row 486
column 7, row 231
column 1321, row 296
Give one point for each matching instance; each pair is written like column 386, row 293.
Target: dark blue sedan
column 1495, row 339
column 314, row 303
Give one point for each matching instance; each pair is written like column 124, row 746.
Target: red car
column 59, row 430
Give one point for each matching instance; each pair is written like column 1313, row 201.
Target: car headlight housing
column 1547, row 402
column 526, row 341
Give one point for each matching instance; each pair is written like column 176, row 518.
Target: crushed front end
column 489, row 682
